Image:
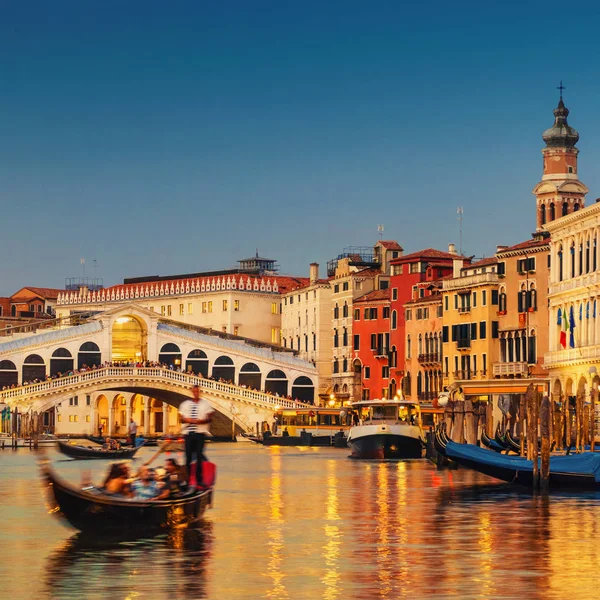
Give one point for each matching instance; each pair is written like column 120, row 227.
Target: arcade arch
column 34, row 367
column 250, row 376
column 129, row 340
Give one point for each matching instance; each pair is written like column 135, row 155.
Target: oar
column 159, row 451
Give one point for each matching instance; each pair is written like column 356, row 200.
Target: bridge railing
column 152, row 373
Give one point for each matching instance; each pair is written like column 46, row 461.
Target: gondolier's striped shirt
column 195, row 410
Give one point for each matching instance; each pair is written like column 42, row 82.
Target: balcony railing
column 464, row 309
column 586, row 353
column 427, row 396
column 508, row 369
column 470, row 280
column 430, row 359
column 463, row 374
column 463, row 343
column 381, row 351
column 582, row 281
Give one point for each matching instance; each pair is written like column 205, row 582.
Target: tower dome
column 561, row 134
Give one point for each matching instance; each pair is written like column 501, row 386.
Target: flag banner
column 587, row 310
column 559, row 317
column 572, row 329
column 563, row 329
column 580, row 311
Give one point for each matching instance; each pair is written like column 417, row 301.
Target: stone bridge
column 67, row 373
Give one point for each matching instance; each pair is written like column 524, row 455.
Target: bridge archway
column 276, row 382
column 224, row 369
column 157, row 424
column 119, row 408
column 61, row 361
column 250, row 376
column 303, row 389
column 170, row 354
column 34, row 367
column 197, row 363
column 129, row 340
column 102, row 414
column 137, row 411
column 89, row 354
column 8, row 373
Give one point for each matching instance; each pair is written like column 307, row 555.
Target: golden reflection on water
column 333, row 536
column 486, row 559
column 275, row 541
column 384, row 574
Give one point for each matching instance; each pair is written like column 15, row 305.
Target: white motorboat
column 387, row 429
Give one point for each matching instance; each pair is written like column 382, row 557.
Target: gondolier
column 196, row 415
column 132, row 431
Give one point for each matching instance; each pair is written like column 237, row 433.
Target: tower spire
column 561, row 87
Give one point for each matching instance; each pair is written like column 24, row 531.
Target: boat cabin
column 393, row 411
column 316, row 420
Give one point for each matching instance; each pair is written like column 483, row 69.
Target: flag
column 563, row 328
column 594, row 315
column 572, row 329
column 580, row 311
column 559, row 319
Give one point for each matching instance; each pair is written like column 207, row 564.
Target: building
column 423, row 315
column 244, row 301
column 354, row 273
column 407, row 272
column 371, row 345
column 26, row 307
column 306, row 324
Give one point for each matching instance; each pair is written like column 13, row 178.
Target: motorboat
column 386, row 429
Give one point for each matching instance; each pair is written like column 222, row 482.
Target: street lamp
column 332, row 400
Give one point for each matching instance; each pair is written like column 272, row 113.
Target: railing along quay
column 117, row 374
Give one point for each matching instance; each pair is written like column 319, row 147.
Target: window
column 357, row 314
column 73, row 418
column 394, row 319
column 408, row 315
column 210, row 307
column 314, row 341
column 408, row 347
column 419, row 314
column 336, row 312
column 87, row 418
column 169, row 311
column 501, row 269
column 482, row 330
column 494, row 297
column 59, row 417
column 163, row 310
column 385, row 372
column 373, row 341
column 455, row 301
column 484, row 298
column 386, row 312
column 526, row 264
column 236, row 330
column 74, row 401
column 345, row 310
column 439, row 311
column 273, row 308
column 88, row 400
column 483, row 364
column 445, row 333
column 502, row 302
column 190, row 308
column 181, row 310
column 356, row 345
column 345, row 365
column 345, row 337
column 275, row 336
column 394, row 293
column 336, row 288
column 474, row 299
column 345, row 286
column 204, row 307
column 367, row 314
column 446, row 303
column 236, row 305
column 367, row 373
column 224, row 305
column 373, row 314
column 336, row 339
column 336, row 366
column 413, row 268
column 495, row 330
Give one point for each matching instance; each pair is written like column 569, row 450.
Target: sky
column 159, row 138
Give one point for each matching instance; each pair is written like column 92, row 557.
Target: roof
column 430, row 253
column 390, row 245
column 425, row 299
column 368, row 272
column 49, row 293
column 374, row 296
column 526, row 245
column 492, row 260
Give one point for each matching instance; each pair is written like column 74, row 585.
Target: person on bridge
column 132, row 431
column 196, row 415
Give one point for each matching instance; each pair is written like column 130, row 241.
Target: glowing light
column 122, row 320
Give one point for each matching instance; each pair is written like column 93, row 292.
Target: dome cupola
column 561, row 134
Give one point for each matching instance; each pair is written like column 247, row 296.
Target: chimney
column 457, row 265
column 452, row 249
column 501, row 248
column 314, row 272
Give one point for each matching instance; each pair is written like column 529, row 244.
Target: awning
column 502, row 386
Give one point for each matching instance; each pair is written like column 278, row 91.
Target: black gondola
column 92, row 511
column 580, row 471
column 89, row 452
column 491, row 444
column 513, row 445
column 500, row 439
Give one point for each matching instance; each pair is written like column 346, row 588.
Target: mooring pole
column 522, row 424
column 593, row 418
column 535, row 406
column 545, row 416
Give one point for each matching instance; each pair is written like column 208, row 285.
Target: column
column 111, row 419
column 93, row 417
column 147, row 402
column 165, row 418
column 128, row 410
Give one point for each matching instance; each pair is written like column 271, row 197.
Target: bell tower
column 560, row 192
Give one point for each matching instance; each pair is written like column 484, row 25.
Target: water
column 304, row 523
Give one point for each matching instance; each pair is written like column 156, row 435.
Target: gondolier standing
column 132, row 430
column 196, row 415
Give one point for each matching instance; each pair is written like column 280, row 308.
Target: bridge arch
column 303, row 389
column 61, row 361
column 8, row 373
column 223, row 368
column 250, row 376
column 197, row 362
column 129, row 339
column 34, row 367
column 276, row 382
column 119, row 412
column 170, row 354
column 89, row 354
column 102, row 414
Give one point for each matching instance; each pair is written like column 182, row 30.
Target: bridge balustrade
column 151, row 373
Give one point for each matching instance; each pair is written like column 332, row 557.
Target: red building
column 371, row 344
column 407, row 272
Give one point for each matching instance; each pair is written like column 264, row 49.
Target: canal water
column 308, row 523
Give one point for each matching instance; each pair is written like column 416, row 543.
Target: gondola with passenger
column 90, row 510
column 578, row 471
column 87, row 452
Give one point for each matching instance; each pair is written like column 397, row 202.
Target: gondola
column 500, row 439
column 579, row 471
column 91, row 511
column 89, row 452
column 513, row 445
column 153, row 441
column 491, row 444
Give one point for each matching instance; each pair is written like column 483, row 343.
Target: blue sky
column 162, row 138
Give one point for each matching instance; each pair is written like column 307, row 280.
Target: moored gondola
column 577, row 471
column 500, row 439
column 491, row 444
column 85, row 452
column 90, row 510
column 513, row 445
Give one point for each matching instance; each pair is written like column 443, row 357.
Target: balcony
column 463, row 374
column 572, row 356
column 463, row 344
column 427, row 396
column 512, row 369
column 429, row 359
column 464, row 309
column 582, row 281
column 470, row 280
column 381, row 351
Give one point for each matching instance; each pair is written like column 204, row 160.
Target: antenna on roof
column 459, row 212
column 82, row 261
column 380, row 231
column 95, row 267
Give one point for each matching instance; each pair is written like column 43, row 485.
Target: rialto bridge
column 70, row 375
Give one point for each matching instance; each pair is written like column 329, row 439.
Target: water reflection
column 275, row 541
column 91, row 567
column 333, row 536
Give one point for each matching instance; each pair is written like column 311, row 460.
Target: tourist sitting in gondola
column 117, row 482
column 110, row 444
column 146, row 487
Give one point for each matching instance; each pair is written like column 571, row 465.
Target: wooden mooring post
column 593, row 395
column 545, row 426
column 522, row 430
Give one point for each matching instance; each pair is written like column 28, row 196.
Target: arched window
column 565, row 209
column 552, row 212
column 276, row 382
column 560, row 263
column 587, row 256
column 223, row 368
column 572, row 252
column 336, row 365
column 345, row 365
column 419, row 384
column 345, row 310
column 336, row 311
column 575, row 207
column 13, row 311
column 336, row 339
column 314, row 340
column 89, row 354
column 61, row 362
column 170, row 354
column 393, row 357
column 420, row 345
column 250, row 376
column 197, row 362
column 303, row 389
column 345, row 338
column 394, row 319
column 33, row 368
column 531, row 348
column 408, row 347
column 532, row 305
column 8, row 373
column 543, row 214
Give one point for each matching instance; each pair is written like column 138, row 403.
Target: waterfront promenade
column 309, row 523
